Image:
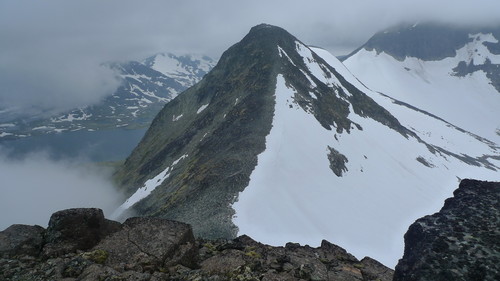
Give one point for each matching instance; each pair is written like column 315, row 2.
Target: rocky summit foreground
column 80, row 244
column 461, row 242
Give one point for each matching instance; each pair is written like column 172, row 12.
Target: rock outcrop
column 460, row 242
column 76, row 229
column 21, row 239
column 80, row 244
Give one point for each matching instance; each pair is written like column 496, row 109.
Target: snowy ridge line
column 446, row 145
column 340, row 68
column 317, row 69
column 469, row 102
column 486, row 141
column 144, row 191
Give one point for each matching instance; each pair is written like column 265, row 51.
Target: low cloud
column 36, row 186
column 54, row 86
column 51, row 51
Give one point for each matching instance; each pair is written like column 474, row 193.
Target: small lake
column 96, row 146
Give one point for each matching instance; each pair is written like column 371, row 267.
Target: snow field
column 469, row 102
column 368, row 209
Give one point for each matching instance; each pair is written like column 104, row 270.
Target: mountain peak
column 268, row 35
column 264, row 27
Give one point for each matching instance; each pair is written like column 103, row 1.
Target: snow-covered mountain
column 146, row 87
column 281, row 142
column 186, row 69
column 451, row 72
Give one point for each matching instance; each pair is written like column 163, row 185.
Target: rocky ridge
column 460, row 242
column 80, row 244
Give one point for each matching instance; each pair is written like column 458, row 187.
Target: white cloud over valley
column 34, row 187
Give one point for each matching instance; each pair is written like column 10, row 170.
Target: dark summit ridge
column 219, row 126
column 460, row 242
column 426, row 41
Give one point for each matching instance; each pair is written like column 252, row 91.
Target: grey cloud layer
column 36, row 186
column 51, row 51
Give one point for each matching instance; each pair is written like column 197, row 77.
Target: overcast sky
column 50, row 51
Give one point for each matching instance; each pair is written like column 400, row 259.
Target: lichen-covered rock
column 246, row 259
column 150, row 244
column 76, row 229
column 373, row 270
column 21, row 239
column 460, row 242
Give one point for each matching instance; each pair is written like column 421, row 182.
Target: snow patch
column 282, row 53
column 4, row 134
column 146, row 189
column 175, row 118
column 42, row 128
column 202, row 108
column 72, row 117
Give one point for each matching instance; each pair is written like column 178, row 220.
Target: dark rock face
column 151, row 242
column 152, row 249
column 460, row 242
column 429, row 41
column 337, row 161
column 74, row 229
column 21, row 240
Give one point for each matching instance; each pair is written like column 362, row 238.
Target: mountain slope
column 448, row 71
column 284, row 138
column 146, row 87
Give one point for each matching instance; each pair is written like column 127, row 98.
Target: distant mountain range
column 451, row 72
column 146, row 87
column 282, row 142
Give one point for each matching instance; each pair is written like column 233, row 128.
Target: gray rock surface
column 150, row 243
column 460, row 242
column 74, row 229
column 21, row 239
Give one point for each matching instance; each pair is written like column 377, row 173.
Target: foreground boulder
column 76, row 229
column 18, row 240
column 460, row 242
column 151, row 244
